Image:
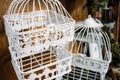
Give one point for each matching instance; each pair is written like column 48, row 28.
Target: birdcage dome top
column 91, row 40
column 91, row 22
column 24, row 6
column 24, row 14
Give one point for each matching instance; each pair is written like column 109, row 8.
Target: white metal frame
column 34, row 27
column 91, row 52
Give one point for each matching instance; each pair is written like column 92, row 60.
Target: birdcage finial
column 91, row 22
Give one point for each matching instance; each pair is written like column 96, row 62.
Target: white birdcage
column 47, row 65
column 91, row 52
column 35, row 29
column 33, row 25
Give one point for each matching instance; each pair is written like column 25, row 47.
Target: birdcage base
column 82, row 74
column 42, row 66
column 82, row 61
column 85, row 68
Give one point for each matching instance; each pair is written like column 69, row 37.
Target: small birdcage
column 91, row 52
column 47, row 65
column 33, row 25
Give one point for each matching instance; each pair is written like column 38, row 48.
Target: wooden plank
column 7, row 72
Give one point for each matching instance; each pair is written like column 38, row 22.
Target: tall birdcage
column 35, row 31
column 91, row 52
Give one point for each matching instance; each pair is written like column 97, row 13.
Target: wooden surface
column 117, row 27
column 6, row 69
column 7, row 72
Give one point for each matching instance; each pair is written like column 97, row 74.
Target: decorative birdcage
column 91, row 52
column 36, row 29
column 33, row 25
column 47, row 65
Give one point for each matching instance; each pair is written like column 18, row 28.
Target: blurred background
column 108, row 14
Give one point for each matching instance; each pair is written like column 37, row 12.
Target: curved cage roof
column 91, row 40
column 24, row 14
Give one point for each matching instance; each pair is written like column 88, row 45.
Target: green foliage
column 112, row 40
column 97, row 4
column 106, row 29
column 115, row 48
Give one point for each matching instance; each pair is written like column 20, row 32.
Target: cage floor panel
column 35, row 61
column 81, row 74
